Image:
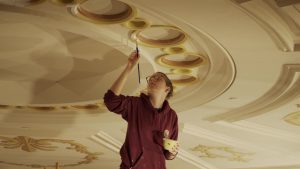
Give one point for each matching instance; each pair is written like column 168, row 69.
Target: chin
column 151, row 89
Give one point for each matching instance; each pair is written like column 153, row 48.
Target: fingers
column 133, row 58
column 174, row 149
column 134, row 54
column 166, row 134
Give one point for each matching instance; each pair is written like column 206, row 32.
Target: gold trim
column 174, row 50
column 209, row 152
column 182, row 82
column 43, row 108
column 163, row 61
column 32, row 2
column 30, row 145
column 19, row 107
column 91, row 106
column 88, row 106
column 285, row 89
column 181, row 71
column 135, row 35
column 293, row 118
column 137, row 24
column 122, row 17
column 3, row 106
column 67, row 2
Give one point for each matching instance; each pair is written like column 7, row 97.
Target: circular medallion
column 103, row 12
column 159, row 36
column 186, row 60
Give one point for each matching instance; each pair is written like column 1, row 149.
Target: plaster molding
column 278, row 24
column 293, row 118
column 262, row 130
column 220, row 64
column 283, row 91
column 274, row 167
column 194, row 160
column 282, row 3
column 220, row 138
column 108, row 141
column 115, row 145
column 33, row 145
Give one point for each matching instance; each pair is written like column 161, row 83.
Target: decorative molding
column 284, row 90
column 231, row 154
column 106, row 140
column 241, row 1
column 137, row 24
column 278, row 24
column 174, row 50
column 194, row 160
column 22, row 3
column 165, row 41
column 30, row 145
column 66, row 2
column 81, row 12
column 182, row 79
column 166, row 61
column 262, row 130
column 282, row 3
column 99, row 105
column 274, row 167
column 219, row 138
column 293, row 118
column 26, row 144
column 221, row 63
column 115, row 145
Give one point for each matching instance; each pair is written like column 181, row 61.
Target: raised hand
column 133, row 59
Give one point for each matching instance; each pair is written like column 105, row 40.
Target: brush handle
column 137, row 52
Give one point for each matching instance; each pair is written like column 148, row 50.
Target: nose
column 156, row 78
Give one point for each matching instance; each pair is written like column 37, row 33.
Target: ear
column 167, row 89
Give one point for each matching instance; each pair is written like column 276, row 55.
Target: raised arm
column 113, row 99
column 118, row 85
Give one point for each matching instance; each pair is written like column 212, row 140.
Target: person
column 150, row 120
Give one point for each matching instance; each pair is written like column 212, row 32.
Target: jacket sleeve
column 174, row 134
column 118, row 104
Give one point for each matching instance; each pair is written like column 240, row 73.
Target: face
column 157, row 83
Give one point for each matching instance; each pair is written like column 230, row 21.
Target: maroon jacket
column 144, row 138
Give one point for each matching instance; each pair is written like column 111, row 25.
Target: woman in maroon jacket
column 150, row 120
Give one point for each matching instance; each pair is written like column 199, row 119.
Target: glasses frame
column 157, row 77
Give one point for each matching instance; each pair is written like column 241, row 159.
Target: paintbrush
column 137, row 52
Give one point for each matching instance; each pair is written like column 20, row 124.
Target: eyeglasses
column 156, row 77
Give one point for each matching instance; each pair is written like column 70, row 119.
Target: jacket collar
column 146, row 100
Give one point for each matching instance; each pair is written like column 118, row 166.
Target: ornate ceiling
column 234, row 64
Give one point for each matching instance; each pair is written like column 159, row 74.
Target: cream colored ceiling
column 235, row 65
